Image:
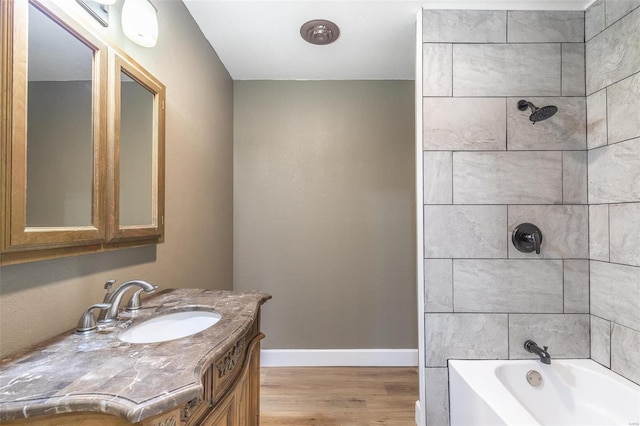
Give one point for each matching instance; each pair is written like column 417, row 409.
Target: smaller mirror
column 136, row 138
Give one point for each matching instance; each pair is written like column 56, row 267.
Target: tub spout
column 532, row 347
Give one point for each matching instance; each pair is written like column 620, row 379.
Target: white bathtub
column 577, row 392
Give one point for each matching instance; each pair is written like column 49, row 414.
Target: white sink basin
column 170, row 326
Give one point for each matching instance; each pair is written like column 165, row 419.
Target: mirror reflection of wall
column 136, row 153
column 60, row 126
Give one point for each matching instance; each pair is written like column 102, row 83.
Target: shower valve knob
column 527, row 238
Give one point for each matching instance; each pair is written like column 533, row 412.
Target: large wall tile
column 545, row 26
column 611, row 55
column 464, row 26
column 624, row 225
column 465, row 231
column 616, row 9
column 566, row 335
column 574, row 177
column 615, row 291
column 564, row 131
column 576, row 286
column 437, row 396
column 625, row 352
column 597, row 119
column 464, row 123
column 438, row 177
column 506, row 70
column 623, row 108
column 438, row 285
column 507, row 286
column 465, row 336
column 599, row 232
column 614, row 173
column 601, row 340
column 573, row 75
column 594, row 19
column 437, row 69
column 507, row 177
column 564, row 230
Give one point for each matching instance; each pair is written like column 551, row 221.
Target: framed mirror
column 54, row 137
column 136, row 152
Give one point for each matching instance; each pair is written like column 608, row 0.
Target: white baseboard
column 339, row 358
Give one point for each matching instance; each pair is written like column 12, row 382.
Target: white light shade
column 140, row 22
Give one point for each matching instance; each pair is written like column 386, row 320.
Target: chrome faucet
column 532, row 347
column 115, row 298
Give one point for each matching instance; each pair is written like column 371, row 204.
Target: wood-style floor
column 338, row 396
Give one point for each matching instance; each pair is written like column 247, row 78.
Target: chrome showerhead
column 537, row 114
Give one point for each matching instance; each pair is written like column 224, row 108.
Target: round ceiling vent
column 319, row 31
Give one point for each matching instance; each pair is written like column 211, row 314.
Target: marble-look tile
column 625, row 352
column 530, row 26
column 623, row 108
column 465, row 336
column 464, row 26
column 574, row 177
column 624, row 225
column 464, row 124
column 564, row 131
column 465, row 231
column 615, row 291
column 566, row 335
column 437, row 69
column 601, row 340
column 503, row 286
column 599, row 232
column 506, row 69
column 597, row 119
column 565, row 230
column 616, row 9
column 576, row 286
column 438, row 285
column 611, row 55
column 438, row 177
column 437, row 396
column 614, row 173
column 507, row 177
column 573, row 74
column 594, row 20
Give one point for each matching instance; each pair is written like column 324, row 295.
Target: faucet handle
column 545, row 348
column 134, row 303
column 87, row 321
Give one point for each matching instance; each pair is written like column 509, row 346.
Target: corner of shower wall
column 613, row 143
column 486, row 169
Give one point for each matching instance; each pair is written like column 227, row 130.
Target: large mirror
column 82, row 139
column 59, row 125
column 56, row 134
column 136, row 147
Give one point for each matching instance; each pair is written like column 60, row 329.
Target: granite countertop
column 97, row 372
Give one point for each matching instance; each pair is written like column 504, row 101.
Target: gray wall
column 323, row 211
column 41, row 299
column 488, row 169
column 613, row 135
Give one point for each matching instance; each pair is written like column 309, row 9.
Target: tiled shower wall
column 488, row 169
column 613, row 139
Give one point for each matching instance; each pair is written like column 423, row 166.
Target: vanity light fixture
column 140, row 22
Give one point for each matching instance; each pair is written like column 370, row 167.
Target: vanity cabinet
column 82, row 139
column 150, row 384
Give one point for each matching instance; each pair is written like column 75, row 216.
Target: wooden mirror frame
column 16, row 235
column 19, row 243
column 118, row 63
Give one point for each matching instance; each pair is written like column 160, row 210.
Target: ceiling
column 260, row 39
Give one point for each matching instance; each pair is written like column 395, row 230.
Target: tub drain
column 534, row 378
